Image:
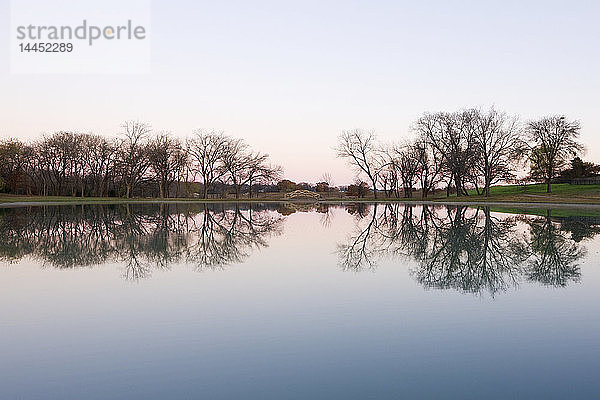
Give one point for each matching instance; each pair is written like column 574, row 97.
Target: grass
column 555, row 212
column 561, row 194
column 558, row 189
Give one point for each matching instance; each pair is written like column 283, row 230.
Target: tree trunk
column 458, row 185
column 374, row 189
column 548, row 186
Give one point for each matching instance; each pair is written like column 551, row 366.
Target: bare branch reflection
column 473, row 250
column 468, row 249
column 555, row 256
column 142, row 237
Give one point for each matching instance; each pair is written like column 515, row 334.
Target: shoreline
column 470, row 203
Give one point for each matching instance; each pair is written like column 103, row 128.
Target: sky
column 289, row 77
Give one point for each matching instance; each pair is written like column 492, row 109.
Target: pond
column 299, row 301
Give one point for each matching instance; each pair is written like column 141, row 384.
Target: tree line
column 456, row 151
column 469, row 148
column 137, row 163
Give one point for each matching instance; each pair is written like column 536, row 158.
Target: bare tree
column 14, row 156
column 57, row 154
column 258, row 170
column 429, row 166
column 498, row 145
column 452, row 136
column 360, row 148
column 71, row 163
column 408, row 167
column 100, row 157
column 553, row 141
column 235, row 160
column 133, row 160
column 389, row 175
column 79, row 170
column 167, row 158
column 206, row 150
column 96, row 158
column 30, row 159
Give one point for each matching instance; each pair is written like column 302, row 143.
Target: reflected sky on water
column 298, row 301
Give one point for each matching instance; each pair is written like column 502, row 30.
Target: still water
column 288, row 301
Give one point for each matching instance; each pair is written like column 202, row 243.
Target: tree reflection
column 467, row 249
column 554, row 255
column 143, row 238
column 361, row 250
column 452, row 247
column 471, row 252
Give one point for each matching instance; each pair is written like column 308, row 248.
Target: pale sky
column 290, row 76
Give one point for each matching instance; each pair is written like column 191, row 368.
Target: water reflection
column 449, row 247
column 469, row 249
column 554, row 255
column 142, row 238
